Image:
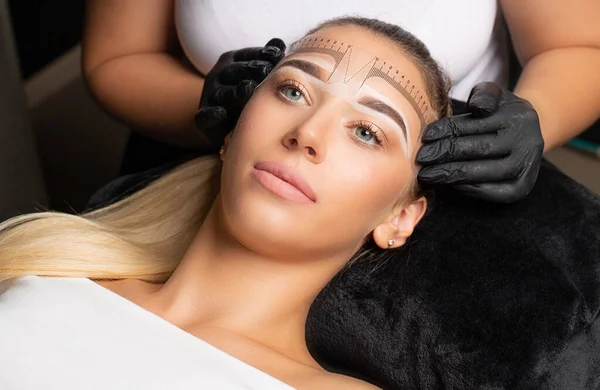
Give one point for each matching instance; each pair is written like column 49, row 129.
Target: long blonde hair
column 146, row 235
column 143, row 236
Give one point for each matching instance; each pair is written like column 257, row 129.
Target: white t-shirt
column 67, row 334
column 465, row 36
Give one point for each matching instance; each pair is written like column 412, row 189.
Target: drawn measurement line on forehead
column 341, row 52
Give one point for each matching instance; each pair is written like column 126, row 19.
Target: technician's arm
column 130, row 66
column 558, row 45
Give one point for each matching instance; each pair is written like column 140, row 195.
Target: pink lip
column 284, row 181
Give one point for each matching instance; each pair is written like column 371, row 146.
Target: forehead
column 347, row 62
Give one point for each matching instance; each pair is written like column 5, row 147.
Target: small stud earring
column 221, row 151
column 391, row 243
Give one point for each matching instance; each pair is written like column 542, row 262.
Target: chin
column 274, row 227
column 263, row 225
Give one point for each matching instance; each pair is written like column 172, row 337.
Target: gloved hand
column 230, row 84
column 492, row 153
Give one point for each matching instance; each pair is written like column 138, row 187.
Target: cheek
column 263, row 121
column 254, row 121
column 259, row 131
column 366, row 189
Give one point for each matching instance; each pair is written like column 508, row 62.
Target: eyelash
column 371, row 129
column 280, row 86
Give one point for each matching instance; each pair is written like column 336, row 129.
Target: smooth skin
column 247, row 281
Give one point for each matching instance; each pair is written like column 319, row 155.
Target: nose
column 310, row 136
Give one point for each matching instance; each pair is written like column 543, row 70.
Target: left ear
column 226, row 142
column 399, row 225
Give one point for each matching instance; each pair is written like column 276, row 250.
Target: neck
column 220, row 283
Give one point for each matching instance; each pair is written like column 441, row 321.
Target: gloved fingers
column 210, row 120
column 483, row 99
column 459, row 126
column 505, row 192
column 508, row 191
column 491, row 192
column 207, row 116
column 474, row 172
column 277, row 43
column 273, row 54
column 256, row 70
column 234, row 96
column 466, row 148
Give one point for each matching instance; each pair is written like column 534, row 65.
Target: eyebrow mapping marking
column 379, row 68
column 306, row 67
column 364, row 104
column 317, row 74
column 381, row 107
column 404, row 91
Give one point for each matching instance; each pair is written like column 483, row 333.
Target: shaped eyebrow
column 306, row 67
column 381, row 107
column 338, row 51
column 369, row 102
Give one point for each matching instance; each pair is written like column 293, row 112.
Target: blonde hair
column 143, row 236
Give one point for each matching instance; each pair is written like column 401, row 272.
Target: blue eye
column 292, row 91
column 367, row 134
column 364, row 134
column 292, row 94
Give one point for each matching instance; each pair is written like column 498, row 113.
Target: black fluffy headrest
column 483, row 297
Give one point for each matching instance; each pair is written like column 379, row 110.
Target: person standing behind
column 132, row 63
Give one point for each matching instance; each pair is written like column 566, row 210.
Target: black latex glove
column 230, row 84
column 492, row 153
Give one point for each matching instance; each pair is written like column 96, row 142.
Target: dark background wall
column 45, row 29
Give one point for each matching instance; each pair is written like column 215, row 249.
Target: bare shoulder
column 337, row 381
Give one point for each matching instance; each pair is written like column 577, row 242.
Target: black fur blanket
column 484, row 297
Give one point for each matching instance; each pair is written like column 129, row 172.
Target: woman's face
column 322, row 156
